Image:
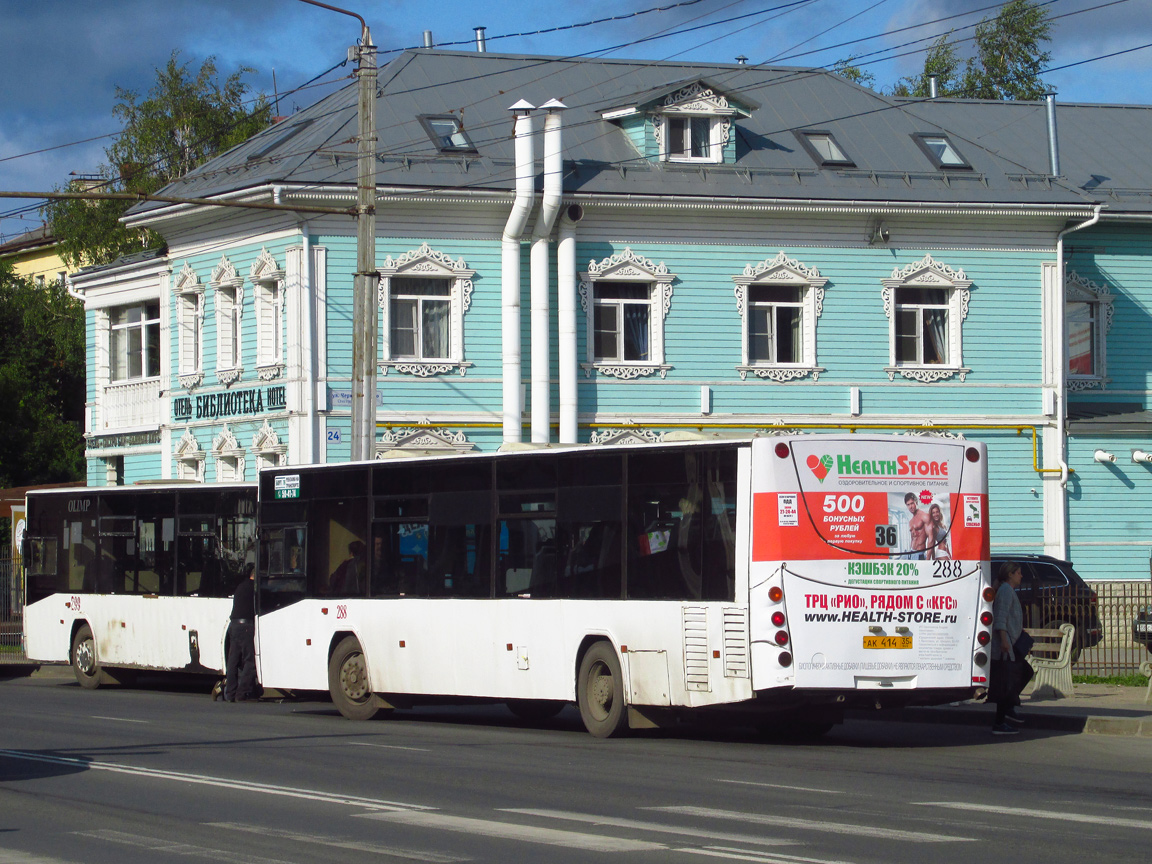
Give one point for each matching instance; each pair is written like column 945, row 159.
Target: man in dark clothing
column 241, row 684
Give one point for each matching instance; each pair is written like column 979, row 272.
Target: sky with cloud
column 63, row 59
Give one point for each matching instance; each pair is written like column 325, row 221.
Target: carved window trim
column 229, row 457
column 188, row 458
column 189, row 295
column 267, row 279
column 422, row 437
column 929, row 273
column 782, row 270
column 695, row 100
column 266, row 446
column 228, row 289
column 1078, row 289
column 627, row 266
column 429, row 263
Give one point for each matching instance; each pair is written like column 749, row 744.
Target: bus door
column 869, row 555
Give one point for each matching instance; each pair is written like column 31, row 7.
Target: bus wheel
column 88, row 673
column 348, row 681
column 600, row 692
column 535, row 710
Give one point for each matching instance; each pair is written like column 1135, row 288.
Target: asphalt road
column 162, row 774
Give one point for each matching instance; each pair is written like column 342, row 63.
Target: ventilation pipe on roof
column 549, row 207
column 481, row 42
column 1053, row 146
column 428, row 39
column 932, row 92
column 510, row 270
column 566, row 320
column 741, row 60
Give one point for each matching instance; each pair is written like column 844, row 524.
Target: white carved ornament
column 1079, row 289
column 697, row 99
column 264, row 268
column 225, row 274
column 783, row 270
column 267, row 441
column 423, row 438
column 625, row 436
column 187, row 280
column 188, row 447
column 225, row 443
column 928, row 272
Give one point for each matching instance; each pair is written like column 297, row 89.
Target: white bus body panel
column 678, row 654
column 142, row 632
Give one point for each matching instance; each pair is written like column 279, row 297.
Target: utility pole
column 364, row 302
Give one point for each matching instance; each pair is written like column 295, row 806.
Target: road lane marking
column 116, row 719
column 636, row 825
column 374, row 848
column 761, row 857
column 13, row 856
column 1113, row 821
column 390, row 746
column 780, row 786
column 170, row 847
column 815, row 825
column 224, row 783
column 512, row 831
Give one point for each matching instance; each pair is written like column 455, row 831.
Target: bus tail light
column 777, row 619
column 781, row 637
column 981, row 659
column 983, row 637
column 972, row 454
column 785, row 658
column 989, row 594
column 782, row 450
column 775, row 593
column 986, row 618
column 979, row 679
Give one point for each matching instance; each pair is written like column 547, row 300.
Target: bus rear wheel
column 85, row 666
column 600, row 692
column 348, row 681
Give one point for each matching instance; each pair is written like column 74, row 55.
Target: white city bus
column 122, row 579
column 782, row 577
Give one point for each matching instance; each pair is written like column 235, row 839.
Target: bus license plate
column 887, row 641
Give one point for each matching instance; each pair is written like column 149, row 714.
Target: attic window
column 823, row 147
column 447, row 134
column 941, row 151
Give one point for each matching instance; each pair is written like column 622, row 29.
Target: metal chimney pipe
column 481, row 43
column 1053, row 146
column 428, row 39
column 741, row 60
column 932, row 87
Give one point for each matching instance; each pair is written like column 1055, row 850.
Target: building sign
column 232, row 403
column 287, row 486
column 126, row 439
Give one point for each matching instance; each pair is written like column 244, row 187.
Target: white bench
column 1051, row 661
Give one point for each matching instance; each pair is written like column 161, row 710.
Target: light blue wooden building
column 706, row 248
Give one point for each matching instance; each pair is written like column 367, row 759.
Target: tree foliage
column 186, row 119
column 1006, row 64
column 41, row 382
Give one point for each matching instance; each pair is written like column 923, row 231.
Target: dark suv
column 1052, row 593
column 1142, row 627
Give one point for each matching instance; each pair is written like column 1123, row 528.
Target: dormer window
column 691, row 139
column 447, row 133
column 824, row 148
column 941, row 151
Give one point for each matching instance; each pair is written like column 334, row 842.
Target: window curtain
column 435, row 329
column 635, row 332
column 936, row 335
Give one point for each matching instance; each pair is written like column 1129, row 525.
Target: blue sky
column 63, row 59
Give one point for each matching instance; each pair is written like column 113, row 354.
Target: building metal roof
column 1005, row 143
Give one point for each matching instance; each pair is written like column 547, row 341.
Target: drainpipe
column 308, row 307
column 566, row 320
column 540, row 323
column 510, row 271
column 1062, row 372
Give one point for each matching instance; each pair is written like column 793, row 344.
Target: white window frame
column 627, row 266
column 143, row 324
column 267, row 279
column 266, row 446
column 188, row 458
column 427, row 263
column 189, row 295
column 229, row 457
column 931, row 274
column 1078, row 289
column 695, row 101
column 790, row 273
column 228, row 290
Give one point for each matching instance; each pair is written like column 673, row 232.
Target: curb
column 1074, row 723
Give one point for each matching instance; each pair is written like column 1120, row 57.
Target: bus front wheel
column 85, row 666
column 600, row 692
column 348, row 681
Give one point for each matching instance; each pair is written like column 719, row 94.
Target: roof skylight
column 941, row 151
column 447, row 134
column 824, row 148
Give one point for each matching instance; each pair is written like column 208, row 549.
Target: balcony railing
column 129, row 404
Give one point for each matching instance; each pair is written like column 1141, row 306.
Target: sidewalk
column 1097, row 709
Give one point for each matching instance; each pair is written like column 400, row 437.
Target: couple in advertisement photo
column 928, row 529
